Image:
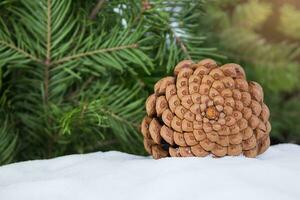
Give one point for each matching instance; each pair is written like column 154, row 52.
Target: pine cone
column 205, row 109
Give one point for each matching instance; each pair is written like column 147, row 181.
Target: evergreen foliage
column 75, row 74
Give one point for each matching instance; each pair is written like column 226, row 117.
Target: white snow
column 114, row 175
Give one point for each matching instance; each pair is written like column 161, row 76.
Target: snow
column 114, row 175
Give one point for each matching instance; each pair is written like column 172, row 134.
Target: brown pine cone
column 205, row 109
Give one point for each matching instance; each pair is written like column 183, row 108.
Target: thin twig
column 84, row 108
column 12, row 46
column 179, row 41
column 139, row 16
column 87, row 82
column 89, row 53
column 96, row 9
column 129, row 123
column 182, row 45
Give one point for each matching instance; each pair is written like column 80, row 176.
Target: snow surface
column 114, row 175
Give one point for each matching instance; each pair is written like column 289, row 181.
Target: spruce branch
column 89, row 53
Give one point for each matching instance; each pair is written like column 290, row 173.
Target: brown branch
column 182, row 45
column 46, row 74
column 96, row 9
column 89, row 53
column 87, row 82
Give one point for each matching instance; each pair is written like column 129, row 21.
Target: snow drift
column 114, row 175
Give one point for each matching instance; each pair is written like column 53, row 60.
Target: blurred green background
column 264, row 36
column 75, row 74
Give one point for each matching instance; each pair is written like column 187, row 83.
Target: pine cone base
column 206, row 109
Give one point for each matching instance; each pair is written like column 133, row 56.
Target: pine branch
column 21, row 51
column 89, row 53
column 88, row 78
